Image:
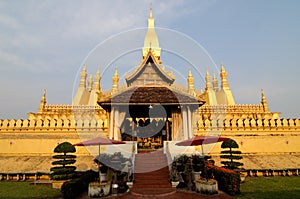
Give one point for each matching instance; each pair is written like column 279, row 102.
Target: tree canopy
column 230, row 143
column 65, row 147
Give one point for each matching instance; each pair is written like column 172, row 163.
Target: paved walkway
column 179, row 194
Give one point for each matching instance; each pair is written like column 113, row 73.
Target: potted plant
column 197, row 165
column 117, row 161
column 174, row 175
column 181, row 162
column 102, row 161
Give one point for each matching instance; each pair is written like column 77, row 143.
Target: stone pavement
column 179, row 194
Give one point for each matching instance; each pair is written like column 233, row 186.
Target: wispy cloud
column 9, row 22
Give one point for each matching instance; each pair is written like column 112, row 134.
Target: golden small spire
column 190, row 73
column 215, row 83
column 42, row 102
column 115, row 81
column 264, row 101
column 90, row 82
column 207, row 79
column 83, row 76
column 97, row 79
column 225, row 87
column 150, row 15
column 222, row 68
column 223, row 75
column 151, row 39
column 190, row 81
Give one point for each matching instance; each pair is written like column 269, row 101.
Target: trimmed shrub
column 231, row 156
column 62, row 169
column 72, row 189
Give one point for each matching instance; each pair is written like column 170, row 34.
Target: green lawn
column 14, row 190
column 270, row 187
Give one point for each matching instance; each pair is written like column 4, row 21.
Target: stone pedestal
column 103, row 177
column 197, row 175
column 129, row 184
column 56, row 184
column 99, row 189
column 174, row 183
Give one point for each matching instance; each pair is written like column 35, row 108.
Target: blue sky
column 43, row 44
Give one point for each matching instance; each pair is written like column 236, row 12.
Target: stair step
column 152, row 182
column 152, row 186
column 151, row 171
column 148, row 192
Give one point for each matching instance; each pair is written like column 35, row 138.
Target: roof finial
column 150, row 15
column 223, row 75
column 44, row 94
column 222, row 68
column 115, row 81
column 43, row 102
column 208, row 85
column 97, row 79
column 83, row 76
column 151, row 39
column 264, row 101
column 190, row 80
column 215, row 83
column 90, row 83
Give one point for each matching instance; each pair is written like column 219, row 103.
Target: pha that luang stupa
column 132, row 112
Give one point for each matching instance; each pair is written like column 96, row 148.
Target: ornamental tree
column 231, row 156
column 62, row 169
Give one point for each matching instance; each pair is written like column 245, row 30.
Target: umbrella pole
column 202, row 150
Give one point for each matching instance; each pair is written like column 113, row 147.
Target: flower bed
column 73, row 188
column 228, row 180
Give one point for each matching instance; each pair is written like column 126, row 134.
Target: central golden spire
column 151, row 40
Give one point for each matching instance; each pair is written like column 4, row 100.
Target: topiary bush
column 231, row 156
column 62, row 169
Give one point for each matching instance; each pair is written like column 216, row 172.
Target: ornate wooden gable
column 150, row 72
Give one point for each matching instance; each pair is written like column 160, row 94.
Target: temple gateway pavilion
column 151, row 109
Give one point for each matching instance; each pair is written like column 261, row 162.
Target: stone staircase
column 151, row 174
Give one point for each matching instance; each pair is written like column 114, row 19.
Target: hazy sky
column 43, row 44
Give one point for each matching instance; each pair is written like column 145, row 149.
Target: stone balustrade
column 271, row 172
column 52, row 124
column 24, row 176
column 249, row 124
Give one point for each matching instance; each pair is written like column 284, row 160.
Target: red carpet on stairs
column 151, row 174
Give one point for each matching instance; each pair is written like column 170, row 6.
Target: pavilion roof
column 146, row 95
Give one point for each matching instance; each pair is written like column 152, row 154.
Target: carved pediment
column 150, row 72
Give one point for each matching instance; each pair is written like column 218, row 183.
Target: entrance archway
column 149, row 125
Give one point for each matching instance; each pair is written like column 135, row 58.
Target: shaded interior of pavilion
column 151, row 115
